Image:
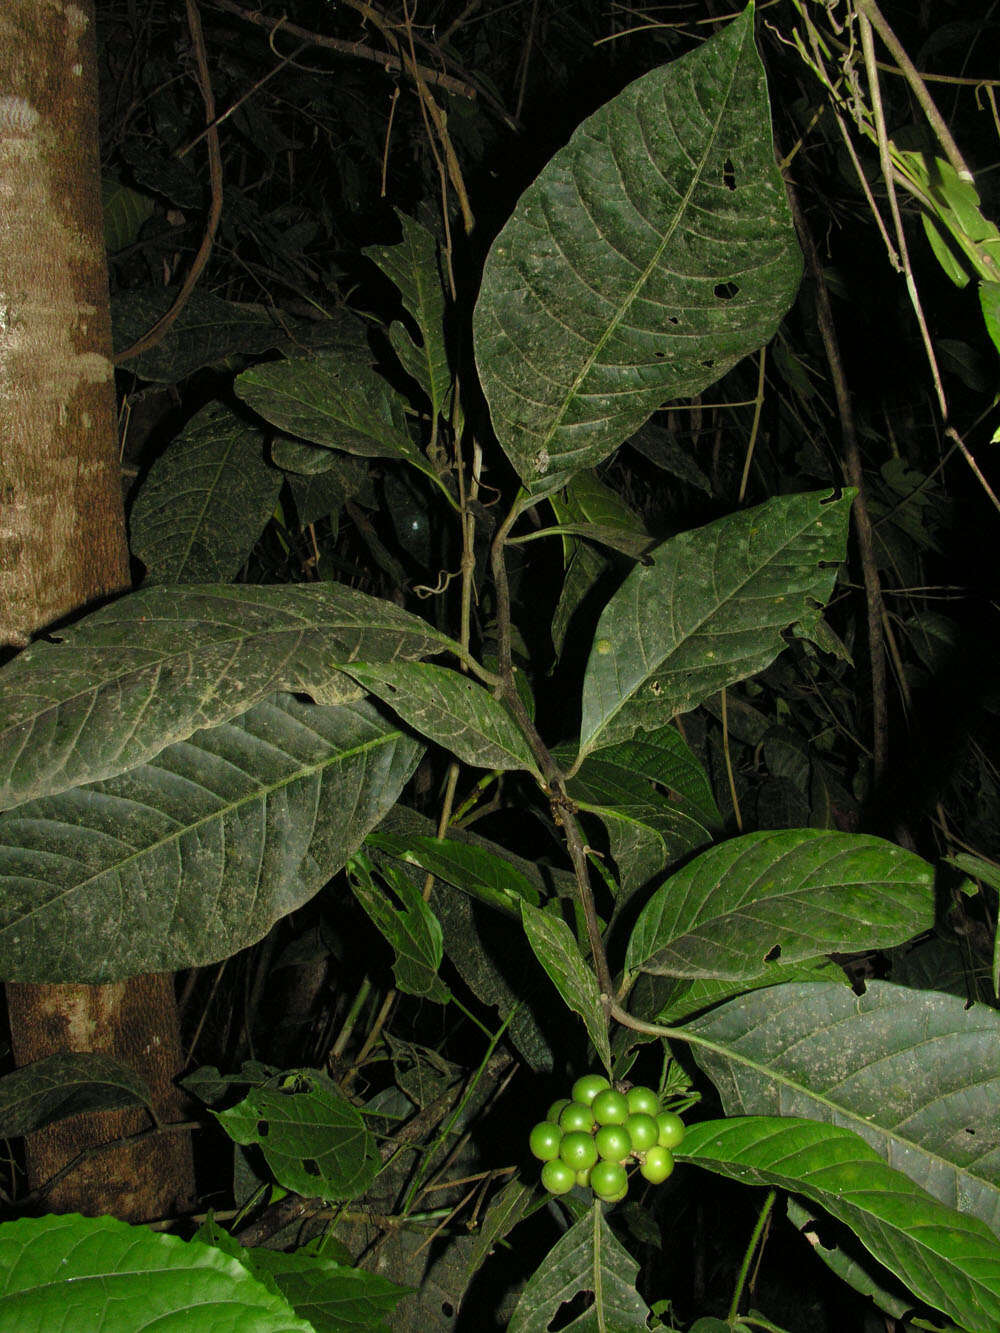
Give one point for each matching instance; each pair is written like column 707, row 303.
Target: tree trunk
column 62, row 545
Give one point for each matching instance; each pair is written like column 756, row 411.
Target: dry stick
column 871, row 14
column 855, row 475
column 159, row 329
column 390, row 63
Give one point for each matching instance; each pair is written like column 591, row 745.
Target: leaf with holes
column 413, row 931
column 711, row 609
column 587, row 1261
column 794, row 894
column 312, row 1138
column 652, row 253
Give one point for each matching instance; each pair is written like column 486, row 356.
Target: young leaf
column 949, row 1260
column 312, row 1138
column 413, row 266
column 413, row 932
column 450, row 709
column 587, row 1259
column 204, row 502
column 96, row 1272
column 913, row 1072
column 710, row 610
column 476, row 870
column 66, row 1084
column 153, row 667
column 194, row 855
column 652, row 253
column 558, row 952
column 794, row 894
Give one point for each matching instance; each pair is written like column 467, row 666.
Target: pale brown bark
column 62, row 541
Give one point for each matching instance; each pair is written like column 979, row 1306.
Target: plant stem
column 755, row 1240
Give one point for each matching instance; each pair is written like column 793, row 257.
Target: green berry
column 609, row 1181
column 583, row 1178
column 656, row 1165
column 610, row 1107
column 642, row 1130
column 612, row 1143
column 557, row 1177
column 576, row 1116
column 556, row 1110
column 671, row 1129
column 544, row 1141
column 586, row 1088
column 642, row 1101
column 578, row 1150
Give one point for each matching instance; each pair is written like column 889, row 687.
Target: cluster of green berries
column 591, row 1137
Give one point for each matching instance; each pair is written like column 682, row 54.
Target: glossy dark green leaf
column 913, row 1072
column 793, row 895
column 652, row 253
column 66, row 1084
column 452, row 710
column 153, row 667
column 474, row 869
column 947, row 1259
column 333, row 1297
column 710, row 610
column 188, row 858
column 558, row 952
column 77, row 1273
column 663, row 757
column 588, row 1258
column 412, row 930
column 204, row 502
column 312, row 1138
column 413, row 266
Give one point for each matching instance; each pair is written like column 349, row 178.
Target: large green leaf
column 711, row 609
column 450, row 709
column 312, row 1137
column 558, row 952
column 155, row 666
column 794, row 894
column 82, row 1273
column 913, row 1072
column 663, row 757
column 949, row 1260
column 475, row 869
column 413, row 930
column 587, row 1259
column 654, row 251
column 413, row 266
column 194, row 855
column 204, row 502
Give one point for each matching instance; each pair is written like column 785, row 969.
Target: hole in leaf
column 659, row 355
column 311, row 1166
column 773, row 954
column 725, row 291
column 673, row 320
column 969, row 1130
column 263, row 1129
column 447, row 1309
column 570, row 1311
column 709, row 365
column 729, row 174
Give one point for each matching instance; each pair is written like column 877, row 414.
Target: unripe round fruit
column 613, row 1143
column 586, row 1088
column 671, row 1129
column 656, row 1165
column 557, row 1177
column 578, row 1150
column 556, row 1110
column 544, row 1141
column 609, row 1181
column 642, row 1101
column 610, row 1107
column 576, row 1116
column 583, row 1178
column 643, row 1131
